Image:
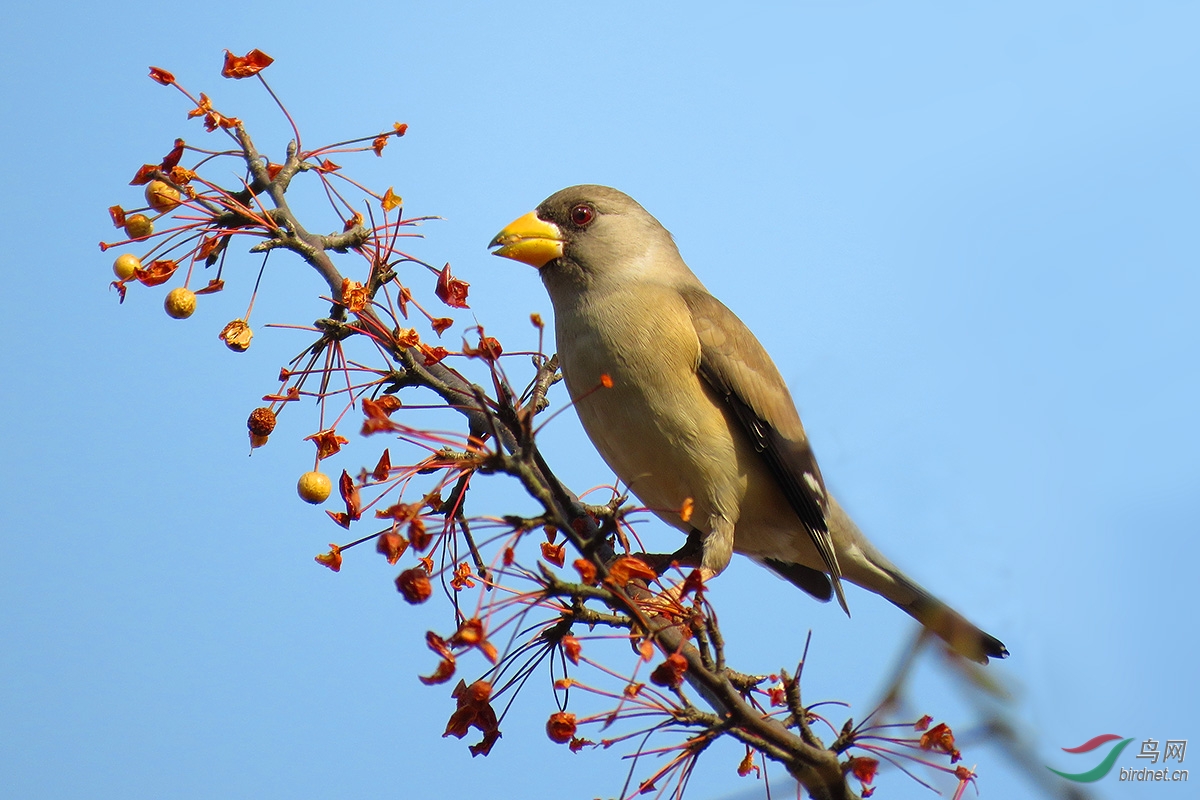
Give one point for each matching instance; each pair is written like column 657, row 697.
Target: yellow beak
column 529, row 239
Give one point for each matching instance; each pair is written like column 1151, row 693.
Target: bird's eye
column 582, row 214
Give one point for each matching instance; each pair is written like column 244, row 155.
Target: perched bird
column 695, row 412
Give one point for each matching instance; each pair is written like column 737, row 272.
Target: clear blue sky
column 967, row 235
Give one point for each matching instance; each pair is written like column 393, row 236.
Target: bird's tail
column 870, row 569
column 956, row 630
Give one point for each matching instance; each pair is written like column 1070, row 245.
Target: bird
column 688, row 409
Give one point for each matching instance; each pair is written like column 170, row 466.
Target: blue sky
column 967, row 235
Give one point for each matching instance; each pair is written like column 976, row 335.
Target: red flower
column 451, row 290
column 670, row 673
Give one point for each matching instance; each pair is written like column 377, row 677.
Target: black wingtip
column 812, row 581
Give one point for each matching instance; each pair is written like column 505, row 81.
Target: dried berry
column 261, row 422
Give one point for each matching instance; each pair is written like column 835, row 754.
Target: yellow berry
column 180, row 303
column 161, row 196
column 125, row 264
column 314, row 487
column 138, row 226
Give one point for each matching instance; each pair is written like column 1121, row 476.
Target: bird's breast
column 653, row 420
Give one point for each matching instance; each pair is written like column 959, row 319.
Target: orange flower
column 694, row 582
column 474, row 710
column 162, row 76
column 417, row 534
column 383, row 467
column 407, row 337
column 443, row 673
column 171, row 159
column 554, row 553
column 354, row 296
column 626, row 568
column 386, row 405
column 239, row 67
column 349, row 492
column 400, row 512
column 940, row 737
column 203, row 107
column 378, row 145
column 392, row 545
column 445, row 668
column 328, row 442
column 747, row 765
column 332, row 559
column 211, row 246
column 586, row 569
column 144, row 175
column 471, row 634
column 571, row 648
column 212, row 287
column 391, row 200
column 864, row 768
column 462, row 577
column 182, row 176
column 434, row 501
column 489, row 349
column 433, row 354
column 159, row 272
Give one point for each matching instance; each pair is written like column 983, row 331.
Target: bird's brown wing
column 735, row 365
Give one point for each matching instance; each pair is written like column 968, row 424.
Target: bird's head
column 593, row 230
